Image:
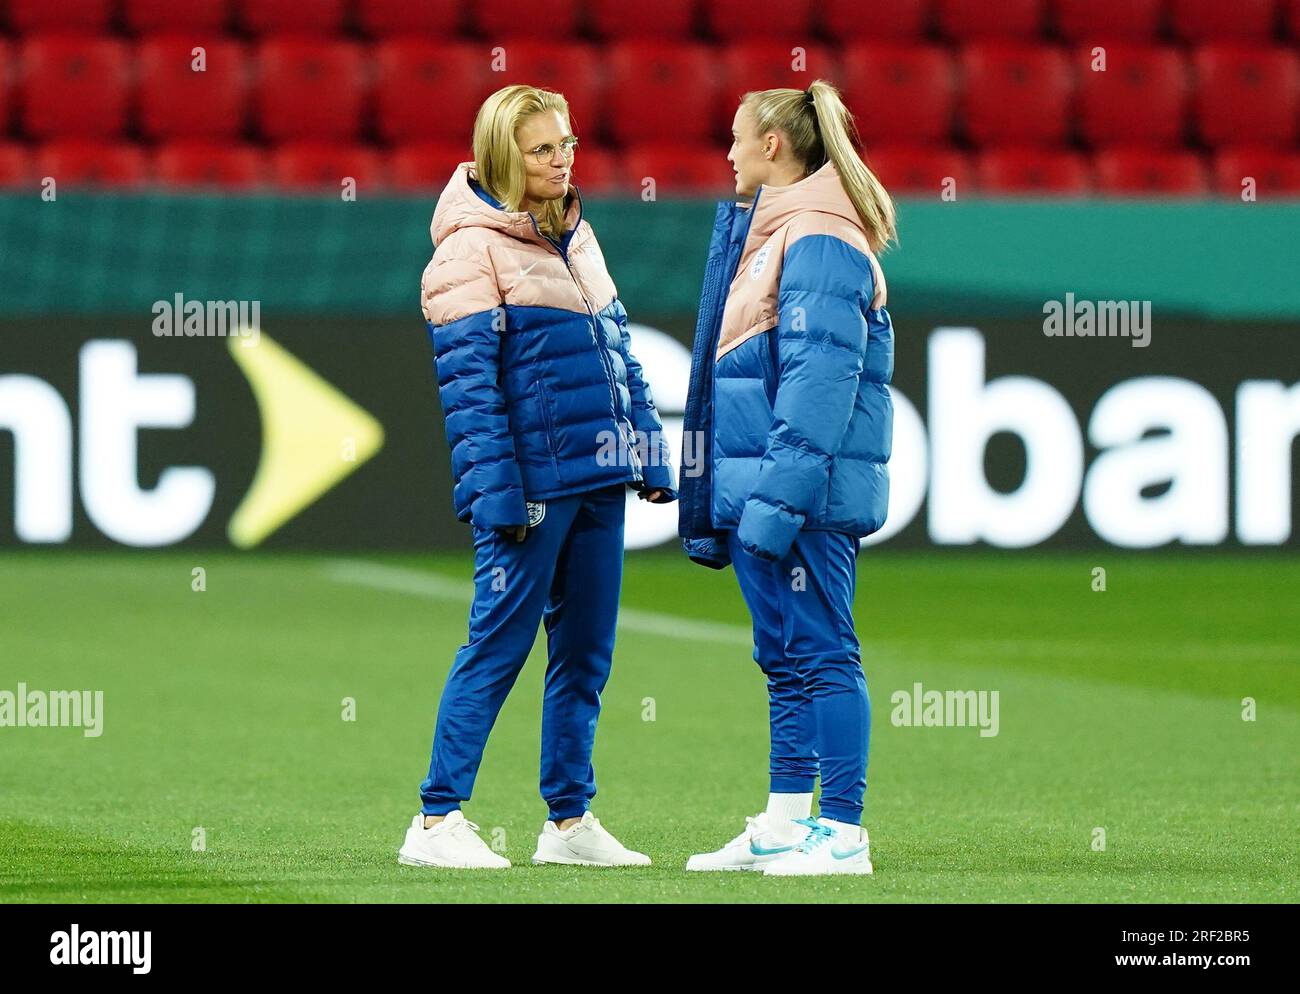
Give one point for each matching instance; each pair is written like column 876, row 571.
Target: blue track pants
column 567, row 574
column 805, row 642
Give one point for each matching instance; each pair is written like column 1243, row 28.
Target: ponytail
column 820, row 129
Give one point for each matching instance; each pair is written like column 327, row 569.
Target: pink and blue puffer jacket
column 789, row 406
column 541, row 393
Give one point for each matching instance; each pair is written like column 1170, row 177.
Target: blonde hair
column 820, row 130
column 498, row 163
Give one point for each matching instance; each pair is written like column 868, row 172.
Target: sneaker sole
column 856, row 871
column 540, row 860
column 443, row 864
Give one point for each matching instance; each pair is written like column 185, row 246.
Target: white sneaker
column 585, row 844
column 453, row 842
column 752, row 849
column 825, row 850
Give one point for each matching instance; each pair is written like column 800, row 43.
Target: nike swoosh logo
column 757, row 850
column 850, row 854
column 524, row 272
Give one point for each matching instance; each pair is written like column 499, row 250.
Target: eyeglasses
column 543, row 154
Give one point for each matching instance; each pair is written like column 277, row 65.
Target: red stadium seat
column 73, row 86
column 78, row 162
column 971, row 19
column 309, row 88
column 573, row 68
column 1140, row 98
column 428, row 91
column 201, row 163
column 1033, row 170
column 597, row 170
column 498, row 19
column 6, row 84
column 1015, row 93
column 15, row 166
column 1217, row 20
column 764, row 64
column 208, row 16
column 323, row 17
column 677, row 169
column 426, row 165
column 64, row 16
column 1276, row 174
column 653, row 86
column 921, row 170
column 323, row 166
column 416, row 18
column 1293, row 18
column 1149, row 172
column 1247, row 95
column 1094, row 21
column 900, row 93
column 887, row 20
column 732, row 19
column 176, row 101
column 663, row 19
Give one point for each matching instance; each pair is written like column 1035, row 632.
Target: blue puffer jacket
column 789, row 396
column 541, row 393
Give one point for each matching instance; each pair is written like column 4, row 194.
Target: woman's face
column 548, row 179
column 747, row 155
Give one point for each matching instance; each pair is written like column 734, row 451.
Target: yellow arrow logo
column 312, row 438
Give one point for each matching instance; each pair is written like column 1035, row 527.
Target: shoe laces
column 752, row 829
column 599, row 831
column 818, row 834
column 458, row 828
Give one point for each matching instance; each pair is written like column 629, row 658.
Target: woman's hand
column 517, row 532
column 653, row 496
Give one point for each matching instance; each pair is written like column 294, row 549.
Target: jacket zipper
column 591, row 316
column 544, row 404
column 718, row 274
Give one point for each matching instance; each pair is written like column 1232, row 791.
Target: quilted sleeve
column 658, row 470
column 466, row 318
column 822, row 341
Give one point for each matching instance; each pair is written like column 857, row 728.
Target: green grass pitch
column 1119, row 710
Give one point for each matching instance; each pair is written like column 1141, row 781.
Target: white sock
column 784, row 809
column 846, row 830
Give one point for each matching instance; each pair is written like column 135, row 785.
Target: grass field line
column 421, row 583
column 1084, row 648
column 437, row 586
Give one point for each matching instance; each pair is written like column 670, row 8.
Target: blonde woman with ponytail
column 550, row 422
column 793, row 355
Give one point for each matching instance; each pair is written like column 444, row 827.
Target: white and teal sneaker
column 829, row 847
column 752, row 849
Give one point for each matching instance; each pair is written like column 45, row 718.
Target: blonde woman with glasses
column 550, row 421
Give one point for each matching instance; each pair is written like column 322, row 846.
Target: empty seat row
column 1076, row 20
column 1117, row 171
column 425, row 166
column 290, row 88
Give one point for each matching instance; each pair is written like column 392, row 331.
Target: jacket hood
column 822, row 192
column 460, row 206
